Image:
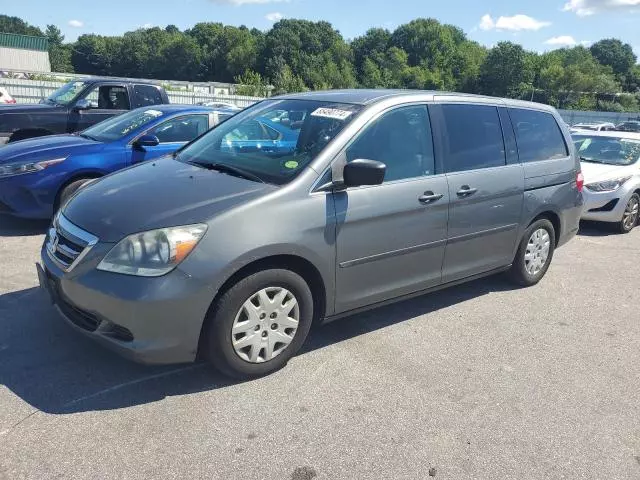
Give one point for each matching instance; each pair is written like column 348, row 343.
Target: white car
column 228, row 105
column 595, row 127
column 611, row 176
column 5, row 97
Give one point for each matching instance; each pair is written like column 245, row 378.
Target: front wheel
column 534, row 253
column 630, row 215
column 259, row 323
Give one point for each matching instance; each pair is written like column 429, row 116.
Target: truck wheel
column 630, row 215
column 534, row 253
column 259, row 323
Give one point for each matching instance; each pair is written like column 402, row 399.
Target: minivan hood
column 44, row 148
column 597, row 172
column 157, row 194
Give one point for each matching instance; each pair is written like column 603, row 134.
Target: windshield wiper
column 226, row 168
column 88, row 137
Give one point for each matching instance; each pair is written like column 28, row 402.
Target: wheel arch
column 554, row 218
column 33, row 133
column 88, row 174
column 296, row 263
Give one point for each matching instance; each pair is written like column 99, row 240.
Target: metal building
column 24, row 53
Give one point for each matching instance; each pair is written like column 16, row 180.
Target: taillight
column 580, row 181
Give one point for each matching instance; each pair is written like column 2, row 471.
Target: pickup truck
column 76, row 106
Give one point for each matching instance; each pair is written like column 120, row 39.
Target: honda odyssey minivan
column 231, row 252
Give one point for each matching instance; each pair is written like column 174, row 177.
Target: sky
column 538, row 25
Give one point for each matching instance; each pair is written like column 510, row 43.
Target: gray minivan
column 234, row 246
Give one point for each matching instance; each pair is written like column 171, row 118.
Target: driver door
column 105, row 101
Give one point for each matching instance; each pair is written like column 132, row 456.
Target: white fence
column 32, row 91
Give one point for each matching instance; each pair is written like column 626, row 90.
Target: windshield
column 66, row 94
column 586, row 127
column 273, row 151
column 607, row 150
column 118, row 127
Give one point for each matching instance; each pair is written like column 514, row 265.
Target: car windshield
column 66, row 94
column 118, row 127
column 268, row 150
column 607, row 150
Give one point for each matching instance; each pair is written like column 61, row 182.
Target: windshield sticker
column 153, row 113
column 332, row 113
column 291, row 164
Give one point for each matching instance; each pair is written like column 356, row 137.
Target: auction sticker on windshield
column 153, row 113
column 332, row 113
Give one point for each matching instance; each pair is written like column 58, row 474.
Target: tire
column 254, row 360
column 67, row 192
column 523, row 272
column 630, row 217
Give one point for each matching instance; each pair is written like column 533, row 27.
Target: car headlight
column 12, row 169
column 607, row 185
column 153, row 253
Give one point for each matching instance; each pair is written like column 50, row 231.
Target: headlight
column 607, row 185
column 153, row 253
column 12, row 169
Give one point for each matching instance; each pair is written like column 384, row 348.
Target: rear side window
column 182, row 129
column 145, row 95
column 538, row 135
column 473, row 137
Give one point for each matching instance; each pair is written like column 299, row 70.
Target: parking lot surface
column 481, row 381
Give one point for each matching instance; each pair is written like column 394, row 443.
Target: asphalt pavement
column 481, row 381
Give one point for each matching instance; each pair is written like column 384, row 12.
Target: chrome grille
column 67, row 244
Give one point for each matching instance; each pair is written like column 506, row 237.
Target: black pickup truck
column 76, row 106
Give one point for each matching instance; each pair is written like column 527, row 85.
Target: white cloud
column 515, row 23
column 584, row 8
column 274, row 17
column 487, row 23
column 147, row 26
column 562, row 41
column 76, row 23
column 237, row 3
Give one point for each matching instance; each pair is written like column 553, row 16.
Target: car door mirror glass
column 364, row 172
column 146, row 141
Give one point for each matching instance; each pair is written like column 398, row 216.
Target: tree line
column 299, row 55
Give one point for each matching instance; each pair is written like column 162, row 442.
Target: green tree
column 17, row 25
column 251, row 84
column 613, row 53
column 59, row 53
column 505, row 71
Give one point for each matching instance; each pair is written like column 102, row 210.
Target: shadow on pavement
column 598, row 229
column 17, row 227
column 59, row 371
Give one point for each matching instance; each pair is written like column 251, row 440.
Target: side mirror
column 146, row 141
column 364, row 172
column 82, row 104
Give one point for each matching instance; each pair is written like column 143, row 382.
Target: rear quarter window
column 538, row 135
column 145, row 95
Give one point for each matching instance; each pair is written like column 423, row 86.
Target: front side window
column 401, row 139
column 273, row 152
column 473, row 137
column 181, row 129
column 118, row 127
column 108, row 97
column 538, row 135
column 66, row 94
column 607, row 150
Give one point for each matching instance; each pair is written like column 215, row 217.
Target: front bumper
column 148, row 320
column 25, row 196
column 606, row 206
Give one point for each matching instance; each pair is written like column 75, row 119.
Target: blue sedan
column 262, row 135
column 38, row 175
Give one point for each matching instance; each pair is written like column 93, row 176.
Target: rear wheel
column 259, row 323
column 630, row 215
column 534, row 253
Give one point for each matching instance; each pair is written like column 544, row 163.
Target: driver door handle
column 430, row 197
column 466, row 191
